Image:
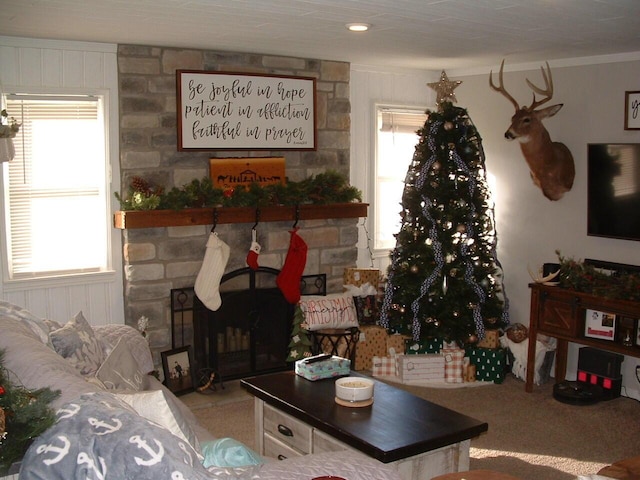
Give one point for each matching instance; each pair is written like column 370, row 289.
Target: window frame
column 72, row 276
column 376, row 251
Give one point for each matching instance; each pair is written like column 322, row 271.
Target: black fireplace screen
column 249, row 334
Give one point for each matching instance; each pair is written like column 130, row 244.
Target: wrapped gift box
column 360, row 276
column 366, row 306
column 421, row 368
column 491, row 364
column 397, row 342
column 453, row 364
column 334, row 367
column 491, row 339
column 383, row 366
column 366, row 309
column 430, row 345
column 372, row 343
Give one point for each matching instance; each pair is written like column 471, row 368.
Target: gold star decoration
column 444, row 89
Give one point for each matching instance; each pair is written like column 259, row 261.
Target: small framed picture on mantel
column 632, row 110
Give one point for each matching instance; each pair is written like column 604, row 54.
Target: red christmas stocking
column 254, row 251
column 288, row 279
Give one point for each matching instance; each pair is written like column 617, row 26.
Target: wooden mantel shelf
column 205, row 216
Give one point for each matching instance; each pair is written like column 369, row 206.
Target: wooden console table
column 296, row 417
column 560, row 313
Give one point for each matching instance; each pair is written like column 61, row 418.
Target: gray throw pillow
column 77, row 343
column 120, row 370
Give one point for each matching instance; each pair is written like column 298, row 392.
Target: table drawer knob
column 281, row 457
column 286, row 431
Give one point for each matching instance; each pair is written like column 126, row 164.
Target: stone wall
column 159, row 259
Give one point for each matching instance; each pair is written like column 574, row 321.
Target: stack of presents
column 400, row 358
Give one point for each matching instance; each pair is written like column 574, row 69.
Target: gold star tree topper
column 444, row 89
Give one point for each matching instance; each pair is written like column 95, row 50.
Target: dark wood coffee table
column 295, row 416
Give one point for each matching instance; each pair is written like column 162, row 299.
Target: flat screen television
column 613, row 190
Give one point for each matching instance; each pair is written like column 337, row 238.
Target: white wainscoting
column 60, row 67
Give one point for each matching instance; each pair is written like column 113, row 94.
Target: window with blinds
column 396, row 139
column 56, row 210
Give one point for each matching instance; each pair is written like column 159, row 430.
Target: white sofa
column 115, row 421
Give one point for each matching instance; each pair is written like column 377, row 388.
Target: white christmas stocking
column 207, row 285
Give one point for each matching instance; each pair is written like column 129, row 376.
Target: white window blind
column 55, row 205
column 396, row 139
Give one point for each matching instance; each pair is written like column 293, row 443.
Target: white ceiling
column 425, row 34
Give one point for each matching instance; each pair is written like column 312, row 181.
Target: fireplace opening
column 249, row 334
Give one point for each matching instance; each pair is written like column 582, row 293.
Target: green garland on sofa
column 325, row 188
column 24, row 415
column 582, row 277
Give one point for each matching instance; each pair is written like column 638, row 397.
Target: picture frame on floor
column 176, row 365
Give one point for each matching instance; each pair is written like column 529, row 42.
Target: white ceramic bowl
column 354, row 389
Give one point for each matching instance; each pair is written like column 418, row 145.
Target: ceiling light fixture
column 358, row 27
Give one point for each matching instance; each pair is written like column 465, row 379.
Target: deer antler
column 501, row 88
column 548, row 81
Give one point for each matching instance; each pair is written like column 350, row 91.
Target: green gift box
column 491, row 364
column 429, row 345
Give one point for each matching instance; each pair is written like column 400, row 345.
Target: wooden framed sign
column 632, row 110
column 239, row 111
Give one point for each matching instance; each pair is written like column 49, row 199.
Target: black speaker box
column 599, row 362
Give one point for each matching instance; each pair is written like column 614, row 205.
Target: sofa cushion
column 77, row 343
column 37, row 326
column 120, row 370
column 162, row 409
column 35, row 365
column 138, row 346
column 96, row 437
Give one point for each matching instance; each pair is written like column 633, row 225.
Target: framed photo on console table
column 243, row 111
column 600, row 325
column 176, row 365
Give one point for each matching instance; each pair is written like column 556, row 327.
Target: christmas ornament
column 444, row 89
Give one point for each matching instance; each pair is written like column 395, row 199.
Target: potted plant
column 9, row 127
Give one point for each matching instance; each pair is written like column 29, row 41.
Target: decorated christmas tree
column 24, row 415
column 445, row 280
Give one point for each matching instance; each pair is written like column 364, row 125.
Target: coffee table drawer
column 287, row 429
column 274, row 448
column 325, row 443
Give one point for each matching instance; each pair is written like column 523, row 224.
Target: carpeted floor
column 531, row 435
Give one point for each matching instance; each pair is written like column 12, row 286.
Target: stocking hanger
column 257, row 218
column 215, row 219
column 297, row 215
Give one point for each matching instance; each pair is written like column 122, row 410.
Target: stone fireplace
column 249, row 334
column 159, row 260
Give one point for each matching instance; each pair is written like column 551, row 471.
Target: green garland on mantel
column 585, row 278
column 322, row 189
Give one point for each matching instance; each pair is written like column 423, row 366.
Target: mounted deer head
column 550, row 163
